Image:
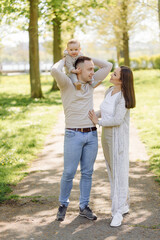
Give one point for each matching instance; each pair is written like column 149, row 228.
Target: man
column 80, row 142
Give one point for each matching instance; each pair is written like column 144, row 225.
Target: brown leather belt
column 83, row 129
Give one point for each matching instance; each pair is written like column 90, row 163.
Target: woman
column 114, row 113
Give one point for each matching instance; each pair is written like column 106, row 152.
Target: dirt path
column 33, row 217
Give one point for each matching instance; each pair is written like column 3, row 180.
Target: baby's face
column 73, row 49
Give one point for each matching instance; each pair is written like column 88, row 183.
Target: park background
column 34, row 35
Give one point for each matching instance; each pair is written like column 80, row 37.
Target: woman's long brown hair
column 126, row 76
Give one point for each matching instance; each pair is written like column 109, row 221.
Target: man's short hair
column 73, row 41
column 81, row 59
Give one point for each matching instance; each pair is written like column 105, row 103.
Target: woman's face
column 115, row 77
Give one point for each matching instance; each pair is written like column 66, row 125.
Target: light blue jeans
column 78, row 147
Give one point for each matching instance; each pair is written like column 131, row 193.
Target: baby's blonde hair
column 73, row 41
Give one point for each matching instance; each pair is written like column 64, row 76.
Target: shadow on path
column 33, row 215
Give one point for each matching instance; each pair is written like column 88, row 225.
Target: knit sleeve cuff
column 100, row 122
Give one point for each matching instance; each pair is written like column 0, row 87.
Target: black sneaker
column 87, row 213
column 61, row 212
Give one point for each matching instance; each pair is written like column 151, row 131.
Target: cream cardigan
column 120, row 154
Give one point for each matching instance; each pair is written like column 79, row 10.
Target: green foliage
column 121, row 61
column 135, row 63
column 113, row 62
column 145, row 62
column 12, row 10
column 157, row 62
column 24, row 123
column 69, row 10
column 147, row 114
column 152, row 62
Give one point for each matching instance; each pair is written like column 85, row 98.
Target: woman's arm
column 98, row 113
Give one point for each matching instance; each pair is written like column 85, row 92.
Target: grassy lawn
column 146, row 115
column 24, row 124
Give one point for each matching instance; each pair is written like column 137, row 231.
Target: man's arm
column 101, row 74
column 61, row 78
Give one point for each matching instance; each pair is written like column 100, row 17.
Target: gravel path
column 33, row 216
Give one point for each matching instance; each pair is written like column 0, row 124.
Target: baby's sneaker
column 78, row 85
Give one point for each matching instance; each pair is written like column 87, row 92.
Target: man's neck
column 80, row 79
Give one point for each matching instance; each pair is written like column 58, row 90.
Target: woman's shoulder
column 108, row 90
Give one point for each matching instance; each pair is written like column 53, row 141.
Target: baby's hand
column 76, row 70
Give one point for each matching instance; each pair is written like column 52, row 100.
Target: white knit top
column 108, row 105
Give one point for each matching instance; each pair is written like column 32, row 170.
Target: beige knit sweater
column 77, row 103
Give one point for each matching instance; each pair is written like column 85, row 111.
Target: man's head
column 73, row 47
column 86, row 65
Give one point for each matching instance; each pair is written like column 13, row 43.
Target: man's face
column 87, row 71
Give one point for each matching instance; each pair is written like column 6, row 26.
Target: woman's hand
column 93, row 117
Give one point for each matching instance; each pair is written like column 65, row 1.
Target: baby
column 71, row 54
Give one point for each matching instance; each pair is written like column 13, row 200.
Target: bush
column 144, row 62
column 135, row 63
column 121, row 62
column 151, row 62
column 157, row 62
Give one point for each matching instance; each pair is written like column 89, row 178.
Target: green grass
column 146, row 115
column 24, row 124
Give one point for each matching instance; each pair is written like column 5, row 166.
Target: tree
column 36, row 91
column 53, row 17
column 153, row 5
column 125, row 28
column 28, row 10
column 116, row 21
column 66, row 12
column 159, row 16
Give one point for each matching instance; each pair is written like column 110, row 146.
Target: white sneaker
column 116, row 220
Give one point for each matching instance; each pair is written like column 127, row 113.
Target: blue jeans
column 78, row 147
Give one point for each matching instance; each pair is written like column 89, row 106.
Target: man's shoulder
column 68, row 85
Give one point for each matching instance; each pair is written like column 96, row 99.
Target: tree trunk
column 159, row 16
column 57, row 54
column 126, row 48
column 36, row 91
column 125, row 32
column 118, row 55
column 57, row 51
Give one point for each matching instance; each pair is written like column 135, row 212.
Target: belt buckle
column 81, row 129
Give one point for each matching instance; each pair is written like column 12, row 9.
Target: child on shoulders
column 72, row 53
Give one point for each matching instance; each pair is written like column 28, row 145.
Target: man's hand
column 93, row 117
